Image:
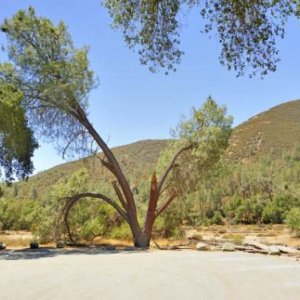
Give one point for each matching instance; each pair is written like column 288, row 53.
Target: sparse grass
column 271, row 132
column 222, row 230
column 164, row 243
column 197, row 236
column 112, row 242
column 234, row 238
column 267, row 234
column 17, row 242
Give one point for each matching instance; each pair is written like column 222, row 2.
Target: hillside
column 271, row 132
column 137, row 161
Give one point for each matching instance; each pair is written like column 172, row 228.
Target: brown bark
column 115, row 168
column 150, row 217
column 127, row 209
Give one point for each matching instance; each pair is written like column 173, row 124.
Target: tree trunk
column 141, row 237
column 150, row 217
column 141, row 240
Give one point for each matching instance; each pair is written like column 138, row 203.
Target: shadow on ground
column 52, row 252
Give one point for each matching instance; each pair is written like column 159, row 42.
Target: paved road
column 157, row 275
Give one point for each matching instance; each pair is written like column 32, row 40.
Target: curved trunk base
column 142, row 241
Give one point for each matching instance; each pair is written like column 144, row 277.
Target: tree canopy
column 246, row 30
column 17, row 142
column 53, row 76
column 205, row 135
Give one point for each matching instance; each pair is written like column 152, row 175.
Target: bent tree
column 55, row 80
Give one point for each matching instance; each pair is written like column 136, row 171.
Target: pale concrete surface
column 149, row 275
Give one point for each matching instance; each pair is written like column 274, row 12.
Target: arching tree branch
column 72, row 200
column 171, row 165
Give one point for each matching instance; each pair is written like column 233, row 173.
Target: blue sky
column 131, row 103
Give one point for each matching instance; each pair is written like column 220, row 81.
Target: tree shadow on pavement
column 52, row 252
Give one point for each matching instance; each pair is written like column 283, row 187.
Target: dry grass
column 165, row 243
column 267, row 234
column 262, row 135
column 235, row 238
column 112, row 242
column 16, row 239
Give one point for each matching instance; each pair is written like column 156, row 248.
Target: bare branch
column 165, row 205
column 171, row 165
column 119, row 194
column 107, row 165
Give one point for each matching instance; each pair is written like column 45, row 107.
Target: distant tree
column 246, row 30
column 55, row 80
column 17, row 142
column 208, row 129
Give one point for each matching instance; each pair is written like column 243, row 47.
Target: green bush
column 293, row 219
column 120, row 232
column 273, row 213
column 217, row 218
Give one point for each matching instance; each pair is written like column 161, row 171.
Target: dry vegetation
column 236, row 234
column 271, row 234
column 269, row 133
column 16, row 239
column 136, row 159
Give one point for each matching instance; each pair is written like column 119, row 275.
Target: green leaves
column 246, row 30
column 17, row 143
column 152, row 26
column 53, row 76
column 208, row 130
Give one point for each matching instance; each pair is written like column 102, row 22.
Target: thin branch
column 171, row 165
column 105, row 199
column 107, row 165
column 165, row 188
column 119, row 194
column 165, row 205
column 70, row 142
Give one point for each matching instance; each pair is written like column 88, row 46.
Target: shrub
column 293, row 219
column 273, row 213
column 217, row 218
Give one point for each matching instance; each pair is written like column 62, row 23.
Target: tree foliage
column 246, row 30
column 264, row 191
column 53, row 76
column 17, row 142
column 293, row 219
column 206, row 132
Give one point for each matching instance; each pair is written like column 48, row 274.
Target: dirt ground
column 94, row 274
column 266, row 234
column 272, row 234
